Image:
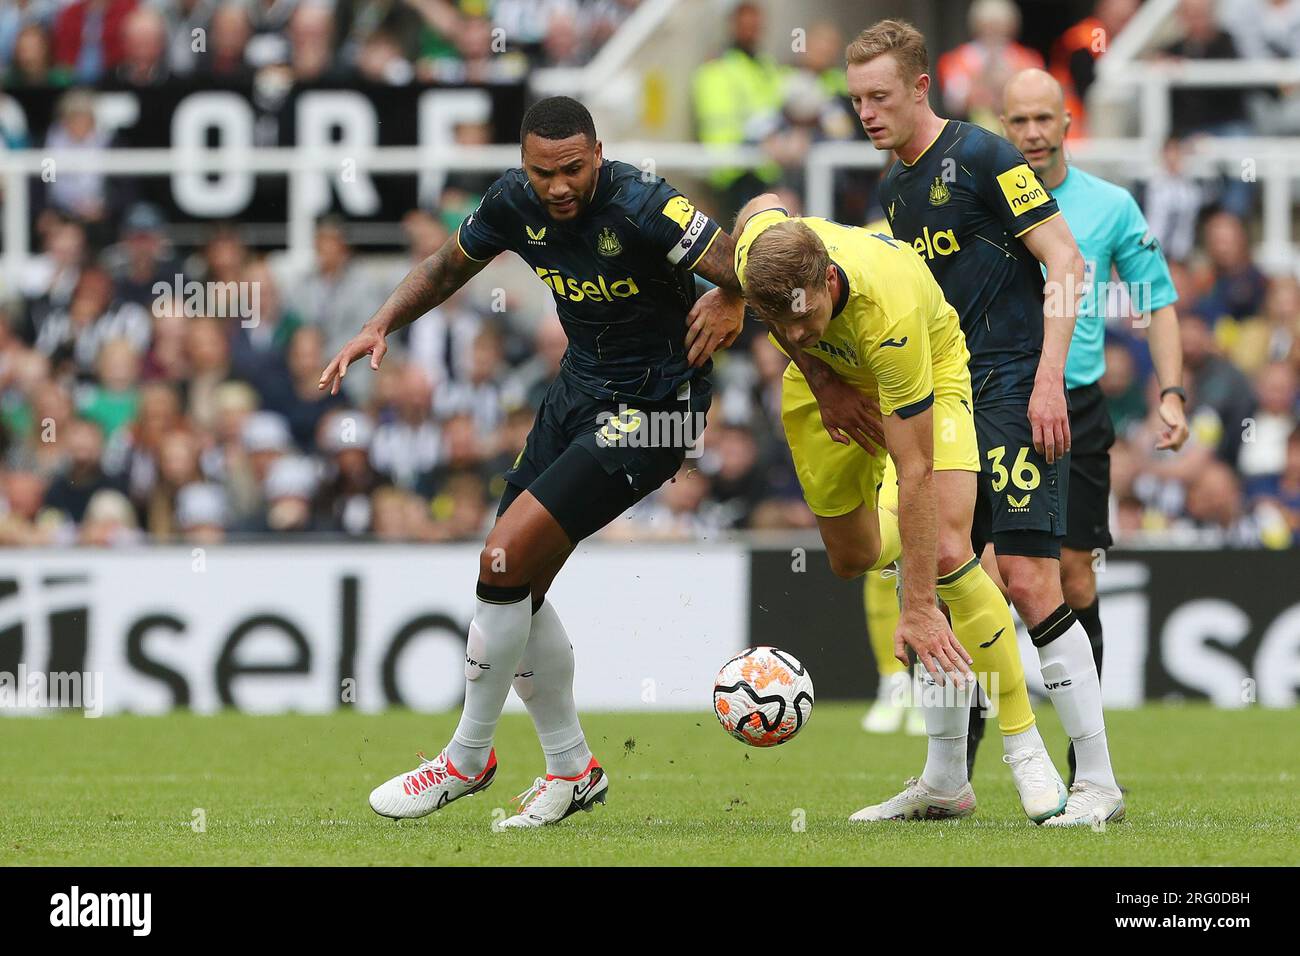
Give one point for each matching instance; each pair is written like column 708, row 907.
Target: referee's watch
column 1174, row 390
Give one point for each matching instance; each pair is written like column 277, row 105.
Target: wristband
column 1175, row 390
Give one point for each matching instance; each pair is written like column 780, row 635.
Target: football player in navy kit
column 618, row 250
column 982, row 219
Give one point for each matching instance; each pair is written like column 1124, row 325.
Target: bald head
column 1035, row 120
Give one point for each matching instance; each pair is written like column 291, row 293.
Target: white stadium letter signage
column 319, row 115
column 224, row 192
column 1191, row 660
column 440, row 111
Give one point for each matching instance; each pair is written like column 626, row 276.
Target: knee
column 849, row 564
column 500, row 563
column 1033, row 587
column 952, row 554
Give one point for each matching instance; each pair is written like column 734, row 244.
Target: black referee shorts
column 1091, row 435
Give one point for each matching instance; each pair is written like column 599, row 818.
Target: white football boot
column 430, row 786
column 1042, row 791
column 551, row 799
column 1090, row 806
column 919, row 802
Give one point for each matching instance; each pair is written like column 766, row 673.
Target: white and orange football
column 763, row 696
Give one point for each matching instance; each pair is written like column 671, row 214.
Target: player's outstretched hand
column 370, row 340
column 926, row 631
column 848, row 415
column 1050, row 419
column 1175, row 419
column 714, row 323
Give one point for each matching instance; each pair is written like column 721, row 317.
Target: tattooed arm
column 425, row 287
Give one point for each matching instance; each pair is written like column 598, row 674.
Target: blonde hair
column 785, row 258
column 898, row 37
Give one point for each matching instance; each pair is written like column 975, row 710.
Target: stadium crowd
column 125, row 416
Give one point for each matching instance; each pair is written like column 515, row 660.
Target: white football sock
column 544, row 682
column 1030, row 738
column 497, row 637
column 947, row 720
column 1070, row 675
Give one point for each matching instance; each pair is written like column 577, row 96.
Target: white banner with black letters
column 311, row 628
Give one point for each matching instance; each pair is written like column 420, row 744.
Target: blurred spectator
column 131, row 455
column 110, row 521
column 337, row 295
column 478, row 392
column 1268, row 30
column 408, row 444
column 265, row 439
column 972, row 75
column 144, row 49
column 295, row 394
column 82, row 474
column 1220, row 396
column 270, row 42
column 1236, row 286
column 536, row 375
column 1264, row 440
column 289, row 489
column 77, row 194
column 1275, row 335
column 226, row 58
column 361, row 21
column 201, row 513
column 257, row 347
column 343, row 502
column 1172, row 202
column 679, row 510
column 380, row 60
column 143, row 257
column 1284, row 493
column 207, row 351
column 311, row 44
column 739, row 88
column 188, row 16
column 1218, row 111
column 112, row 402
column 32, row 63
column 17, row 16
column 1074, row 55
column 88, row 37
column 1122, row 387
column 178, row 466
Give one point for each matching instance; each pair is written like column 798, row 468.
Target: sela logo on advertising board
column 53, row 606
column 75, row 908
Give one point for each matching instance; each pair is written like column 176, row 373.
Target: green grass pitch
column 1205, row 787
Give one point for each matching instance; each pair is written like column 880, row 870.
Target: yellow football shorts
column 838, row 478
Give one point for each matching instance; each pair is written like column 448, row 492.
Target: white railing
column 1273, row 163
column 301, row 166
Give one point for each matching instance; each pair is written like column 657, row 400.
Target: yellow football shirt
column 896, row 337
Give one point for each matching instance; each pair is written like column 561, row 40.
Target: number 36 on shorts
column 1023, row 473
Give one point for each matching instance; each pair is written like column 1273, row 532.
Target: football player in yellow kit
column 867, row 308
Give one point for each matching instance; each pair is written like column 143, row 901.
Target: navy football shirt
column 964, row 205
column 620, row 275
